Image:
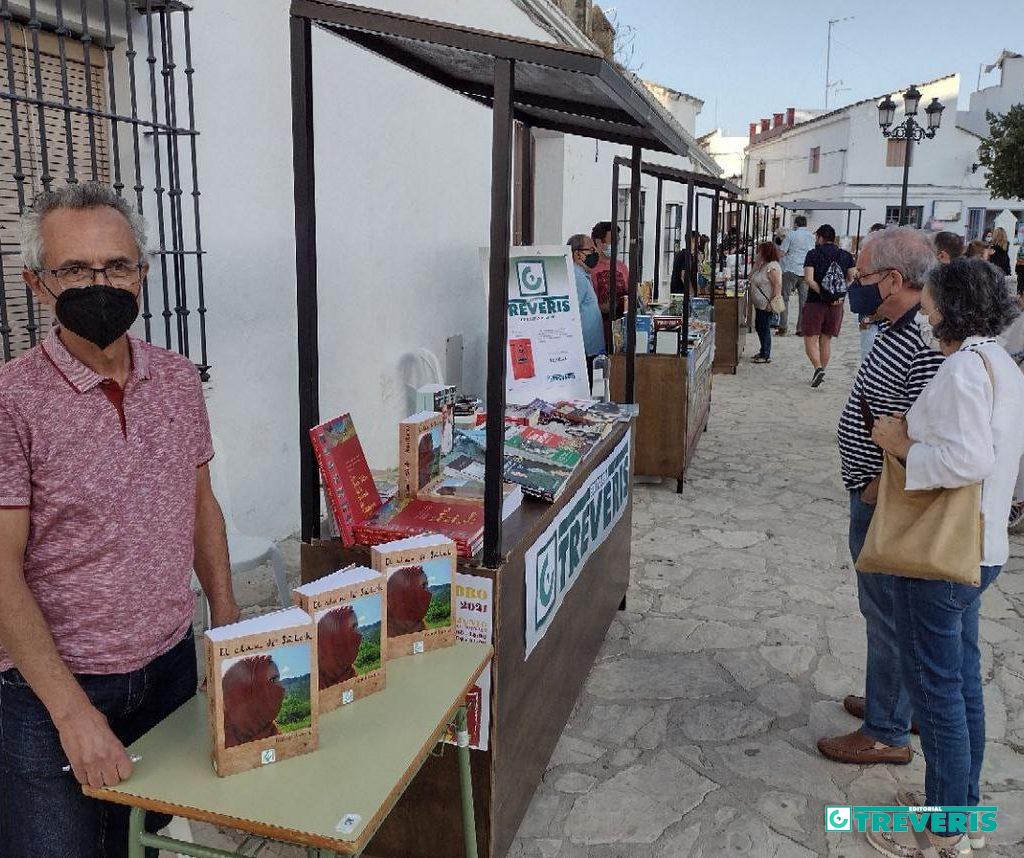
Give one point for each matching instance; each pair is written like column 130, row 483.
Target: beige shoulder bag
column 936, row 534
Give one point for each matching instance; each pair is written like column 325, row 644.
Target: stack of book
column 362, row 516
column 403, row 517
column 540, row 461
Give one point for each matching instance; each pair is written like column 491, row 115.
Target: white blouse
column 964, row 432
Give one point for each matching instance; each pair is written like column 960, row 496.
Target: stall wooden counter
column 674, row 395
column 730, row 330
column 533, row 697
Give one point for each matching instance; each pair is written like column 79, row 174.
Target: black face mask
column 590, row 260
column 98, row 313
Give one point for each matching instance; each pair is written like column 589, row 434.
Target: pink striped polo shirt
column 109, row 477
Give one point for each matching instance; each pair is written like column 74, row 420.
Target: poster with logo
column 545, row 352
column 474, row 622
column 554, row 561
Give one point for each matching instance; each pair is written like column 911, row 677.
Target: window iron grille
column 95, row 90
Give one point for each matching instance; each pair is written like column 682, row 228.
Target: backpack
column 833, row 284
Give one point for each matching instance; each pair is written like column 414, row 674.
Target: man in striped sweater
column 892, row 266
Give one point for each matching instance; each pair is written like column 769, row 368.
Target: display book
column 262, row 705
column 360, row 513
column 348, row 607
column 269, row 679
column 542, row 458
column 661, row 334
column 420, row 575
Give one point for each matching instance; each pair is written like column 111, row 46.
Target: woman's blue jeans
column 763, row 326
column 937, row 628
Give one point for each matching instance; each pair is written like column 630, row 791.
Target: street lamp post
column 909, row 130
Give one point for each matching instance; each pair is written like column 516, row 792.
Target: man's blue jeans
column 43, row 813
column 887, row 704
column 937, row 627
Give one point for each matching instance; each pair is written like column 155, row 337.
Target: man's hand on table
column 96, row 755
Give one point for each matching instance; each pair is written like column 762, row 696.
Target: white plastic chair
column 246, row 552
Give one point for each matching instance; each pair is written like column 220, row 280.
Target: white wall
column 403, row 181
column 997, row 98
column 940, row 169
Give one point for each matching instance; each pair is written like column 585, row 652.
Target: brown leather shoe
column 859, row 749
column 856, row 706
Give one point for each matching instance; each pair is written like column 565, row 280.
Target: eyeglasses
column 864, row 274
column 120, row 274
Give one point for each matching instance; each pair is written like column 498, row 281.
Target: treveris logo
column 838, row 818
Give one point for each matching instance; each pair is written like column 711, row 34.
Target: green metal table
column 331, row 801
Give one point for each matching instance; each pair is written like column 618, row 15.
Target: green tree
column 1002, row 153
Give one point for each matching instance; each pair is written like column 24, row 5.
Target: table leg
column 136, row 827
column 466, row 785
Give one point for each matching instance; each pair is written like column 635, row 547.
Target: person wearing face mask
column 892, row 265
column 600, row 274
column 585, row 257
column 963, row 429
column 105, row 510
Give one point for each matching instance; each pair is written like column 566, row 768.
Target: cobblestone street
column 695, row 736
column 696, row 733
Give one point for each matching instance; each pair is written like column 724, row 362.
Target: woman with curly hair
column 963, row 429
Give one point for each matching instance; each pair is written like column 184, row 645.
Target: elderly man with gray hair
column 105, row 509
column 892, row 264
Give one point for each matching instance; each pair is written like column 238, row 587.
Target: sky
column 758, row 58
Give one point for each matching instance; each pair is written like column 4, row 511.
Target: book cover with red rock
column 420, row 574
column 259, row 675
column 351, row 624
column 419, row 452
column 351, row 491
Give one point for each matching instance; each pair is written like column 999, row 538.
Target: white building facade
column 403, row 205
column 842, row 155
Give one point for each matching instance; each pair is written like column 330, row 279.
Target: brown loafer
column 860, row 749
column 856, row 706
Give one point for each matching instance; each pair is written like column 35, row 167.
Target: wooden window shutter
column 89, row 149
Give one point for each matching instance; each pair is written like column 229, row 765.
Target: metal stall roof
column 557, row 87
column 819, row 206
column 687, row 177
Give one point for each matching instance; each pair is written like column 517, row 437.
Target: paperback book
column 406, row 517
column 420, row 574
column 531, row 442
column 347, row 481
column 351, row 624
column 420, row 440
column 539, row 479
column 259, row 676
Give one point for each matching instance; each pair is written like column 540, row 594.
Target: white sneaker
column 912, row 798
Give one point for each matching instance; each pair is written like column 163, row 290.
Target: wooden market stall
column 672, row 390
column 545, row 86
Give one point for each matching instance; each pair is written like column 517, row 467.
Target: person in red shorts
column 105, row 511
column 823, row 315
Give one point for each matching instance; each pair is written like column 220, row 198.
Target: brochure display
column 545, row 350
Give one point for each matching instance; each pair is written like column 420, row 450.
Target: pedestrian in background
column 585, row 256
column 826, row 273
column 796, row 244
column 963, row 429
column 893, row 265
column 1000, row 256
column 948, row 246
column 765, row 288
column 867, row 325
column 979, row 250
